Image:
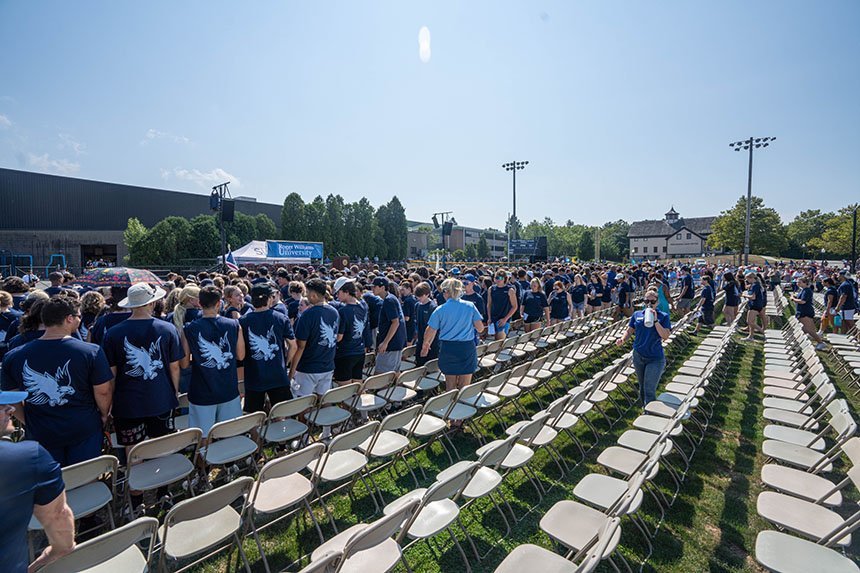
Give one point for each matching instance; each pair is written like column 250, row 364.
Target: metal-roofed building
column 43, row 215
column 671, row 237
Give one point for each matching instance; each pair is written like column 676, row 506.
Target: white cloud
column 45, row 163
column 424, row 44
column 68, row 142
column 207, row 178
column 153, row 134
column 5, row 121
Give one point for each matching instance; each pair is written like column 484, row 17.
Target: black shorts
column 131, row 431
column 255, row 400
column 348, row 368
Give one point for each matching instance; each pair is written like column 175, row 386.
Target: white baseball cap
column 141, row 294
column 338, row 284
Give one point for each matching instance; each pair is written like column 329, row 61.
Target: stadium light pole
column 218, row 194
column 750, row 144
column 854, row 242
column 513, row 167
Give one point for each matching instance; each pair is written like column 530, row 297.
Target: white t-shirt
column 30, row 278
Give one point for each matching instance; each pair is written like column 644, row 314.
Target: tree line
column 575, row 240
column 351, row 229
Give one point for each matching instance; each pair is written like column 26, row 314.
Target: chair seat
column 340, row 465
column 519, row 455
column 782, row 383
column 277, row 494
column 800, row 484
column 460, row 411
column 786, row 404
column 196, row 535
column 575, row 525
column 799, row 516
column 794, row 436
column 284, row 430
column 531, row 557
column 158, row 472
column 131, row 560
column 433, row 517
column 330, row 416
column 527, row 382
column 483, row 400
column 425, row 383
column 366, row 403
column 789, row 554
column 639, row 441
column 565, row 421
column 786, row 418
column 604, row 491
column 398, row 394
column 787, row 393
column 679, row 388
column 428, row 425
column 388, row 444
column 484, row 481
column 379, row 558
column 83, row 501
column 794, row 455
column 621, row 460
column 545, row 435
column 655, row 425
column 228, row 450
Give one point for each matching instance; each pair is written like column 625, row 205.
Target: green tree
column 361, row 232
column 513, row 227
column 294, row 226
column 241, row 231
column 333, row 221
column 459, row 255
column 380, row 246
column 164, row 243
column 266, row 229
column 806, row 227
column 133, row 234
column 315, row 220
column 614, row 244
column 585, row 248
column 391, row 219
column 767, row 234
column 204, row 239
column 483, row 249
column 836, row 238
column 471, row 251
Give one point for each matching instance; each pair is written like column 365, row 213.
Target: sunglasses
column 650, row 301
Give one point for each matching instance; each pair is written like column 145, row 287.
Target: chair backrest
column 537, row 364
column 291, row 463
column 597, row 547
column 528, row 432
column 519, row 371
column 294, row 407
column 851, row 448
column 164, row 446
column 327, row 563
column 381, row 530
column 403, row 419
column 431, row 367
column 89, row 471
column 497, row 380
column 557, row 407
column 207, row 503
column 237, row 426
column 379, row 382
column 452, row 486
column 494, row 456
column 339, row 394
column 411, row 375
column 351, row 439
column 441, row 402
column 494, row 346
column 848, row 526
column 106, row 546
column 843, row 424
column 183, row 400
column 408, row 352
column 471, row 390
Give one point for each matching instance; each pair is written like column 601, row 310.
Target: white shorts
column 305, row 384
column 847, row 314
column 206, row 416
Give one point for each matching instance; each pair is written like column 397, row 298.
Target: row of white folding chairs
column 808, row 432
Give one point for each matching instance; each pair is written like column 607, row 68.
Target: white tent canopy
column 255, row 253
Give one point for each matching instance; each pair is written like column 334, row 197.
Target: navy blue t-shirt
column 478, row 301
column 292, row 308
column 142, row 351
column 408, row 304
column 390, row 310
column 577, row 293
column 59, row 376
column 191, row 314
column 533, row 304
column 624, row 290
column 732, row 293
column 105, row 321
column 805, row 308
column 374, row 303
column 17, row 299
column 707, row 298
column 53, row 290
column 648, row 342
column 501, row 303
column 352, row 324
column 317, row 326
column 757, row 302
column 212, row 341
column 687, row 281
column 265, row 362
column 847, row 289
column 558, row 305
column 28, row 476
column 422, row 319
column 595, row 294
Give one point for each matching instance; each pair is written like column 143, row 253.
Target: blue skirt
column 457, row 357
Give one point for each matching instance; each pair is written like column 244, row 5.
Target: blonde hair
column 453, row 288
column 92, row 302
column 185, row 295
column 534, row 282
column 5, row 299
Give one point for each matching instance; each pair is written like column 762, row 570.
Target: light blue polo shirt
column 455, row 320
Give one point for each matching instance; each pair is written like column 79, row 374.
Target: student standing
column 805, row 312
column 213, row 345
column 351, row 329
column 535, row 306
column 560, row 303
column 733, row 297
column 423, row 310
column 391, row 333
column 649, row 360
column 847, row 303
column 312, row 366
column 407, row 303
column 501, row 305
column 271, row 345
column 577, row 296
column 755, row 295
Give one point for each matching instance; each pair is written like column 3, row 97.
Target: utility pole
column 216, row 201
column 749, row 144
column 513, row 167
column 854, row 241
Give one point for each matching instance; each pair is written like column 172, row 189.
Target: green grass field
column 711, row 527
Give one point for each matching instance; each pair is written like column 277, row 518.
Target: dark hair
column 423, row 289
column 15, row 285
column 55, row 276
column 729, row 277
column 209, row 296
column 317, row 285
column 33, row 315
column 349, row 288
column 242, row 272
column 55, row 310
column 117, row 293
column 406, row 283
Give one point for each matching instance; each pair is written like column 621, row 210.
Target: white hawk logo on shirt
column 263, row 347
column 145, row 363
column 215, row 354
column 358, row 328
column 46, row 389
column 327, row 335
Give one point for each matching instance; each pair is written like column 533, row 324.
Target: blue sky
column 622, row 108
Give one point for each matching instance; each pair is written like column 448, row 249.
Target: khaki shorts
column 684, row 303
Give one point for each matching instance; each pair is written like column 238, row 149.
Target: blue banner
column 293, row 250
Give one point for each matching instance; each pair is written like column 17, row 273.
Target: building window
column 689, row 236
column 635, row 249
column 679, row 236
column 664, row 249
column 655, row 249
